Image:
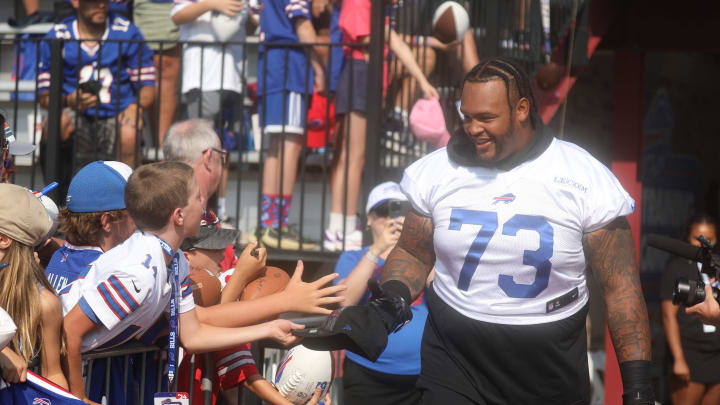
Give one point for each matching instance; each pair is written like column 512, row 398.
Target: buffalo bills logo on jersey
column 505, row 199
column 41, row 401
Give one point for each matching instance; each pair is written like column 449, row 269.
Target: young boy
column 129, row 287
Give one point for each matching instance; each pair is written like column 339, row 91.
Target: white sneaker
column 330, row 240
column 353, row 240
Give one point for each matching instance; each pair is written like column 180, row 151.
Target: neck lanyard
column 174, row 283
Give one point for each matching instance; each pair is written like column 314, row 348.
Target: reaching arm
column 198, row 337
column 610, row 252
column 672, row 332
column 263, row 390
column 412, row 259
column 707, row 311
column 298, row 296
column 403, row 52
column 52, row 334
column 247, row 269
column 76, row 325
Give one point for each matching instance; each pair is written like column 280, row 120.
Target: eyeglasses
column 392, row 209
column 223, row 154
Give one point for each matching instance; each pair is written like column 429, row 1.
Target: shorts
column 362, row 386
column 351, row 94
column 283, row 112
column 466, row 361
column 703, row 364
column 93, row 139
column 153, row 20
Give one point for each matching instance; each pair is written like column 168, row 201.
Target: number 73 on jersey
column 488, row 222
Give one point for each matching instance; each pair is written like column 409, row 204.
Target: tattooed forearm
column 414, row 255
column 610, row 252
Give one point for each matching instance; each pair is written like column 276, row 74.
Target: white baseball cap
column 384, row 192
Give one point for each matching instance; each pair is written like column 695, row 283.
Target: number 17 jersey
column 508, row 244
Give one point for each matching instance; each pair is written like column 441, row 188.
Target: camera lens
column 688, row 292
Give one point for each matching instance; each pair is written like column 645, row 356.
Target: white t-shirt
column 126, row 290
column 508, row 244
column 207, row 61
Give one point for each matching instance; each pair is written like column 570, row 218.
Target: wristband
column 637, row 389
column 398, row 289
column 373, row 258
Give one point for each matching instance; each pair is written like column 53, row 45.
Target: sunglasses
column 392, row 209
column 223, row 154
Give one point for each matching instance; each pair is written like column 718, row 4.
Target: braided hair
column 517, row 81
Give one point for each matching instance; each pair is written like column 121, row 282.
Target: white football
column 226, row 27
column 301, row 371
column 450, row 21
column 7, row 328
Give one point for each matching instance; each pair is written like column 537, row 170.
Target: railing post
column 374, row 99
column 53, row 124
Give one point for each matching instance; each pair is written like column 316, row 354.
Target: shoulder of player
column 121, row 27
column 433, row 164
column 574, row 165
column 62, row 29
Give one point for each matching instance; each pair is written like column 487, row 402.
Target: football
column 275, row 279
column 205, row 286
column 7, row 328
column 226, row 27
column 450, row 22
column 301, row 371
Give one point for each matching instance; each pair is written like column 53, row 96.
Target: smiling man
column 511, row 246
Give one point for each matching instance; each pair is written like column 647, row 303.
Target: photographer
column 108, row 78
column 694, row 345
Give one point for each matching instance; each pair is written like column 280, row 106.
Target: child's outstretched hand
column 310, row 297
column 280, row 330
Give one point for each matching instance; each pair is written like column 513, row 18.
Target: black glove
column 637, row 389
column 392, row 303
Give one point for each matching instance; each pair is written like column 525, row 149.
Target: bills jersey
column 287, row 67
column 70, row 262
column 121, row 64
column 508, row 244
column 36, row 391
column 126, row 290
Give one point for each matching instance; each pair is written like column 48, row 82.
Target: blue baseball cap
column 98, row 187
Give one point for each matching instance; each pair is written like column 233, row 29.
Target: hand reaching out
column 280, row 330
column 309, row 297
column 251, row 261
column 429, row 91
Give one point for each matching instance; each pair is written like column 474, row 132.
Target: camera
column 690, row 292
column 90, row 86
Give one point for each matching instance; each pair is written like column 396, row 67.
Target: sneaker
column 353, row 240
column 287, row 239
column 330, row 240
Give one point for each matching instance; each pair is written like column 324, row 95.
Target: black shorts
column 465, row 361
column 351, row 92
column 362, row 386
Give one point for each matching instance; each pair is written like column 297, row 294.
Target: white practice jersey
column 126, row 290
column 508, row 244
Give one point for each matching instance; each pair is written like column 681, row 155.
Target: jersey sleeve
column 297, row 8
column 355, row 19
column 414, row 190
column 112, row 298
column 606, row 200
column 186, row 302
column 139, row 60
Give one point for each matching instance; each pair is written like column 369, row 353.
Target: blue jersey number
column 540, row 258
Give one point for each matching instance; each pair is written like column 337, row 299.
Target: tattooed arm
column 610, row 252
column 413, row 257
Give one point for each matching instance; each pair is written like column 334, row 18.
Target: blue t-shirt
column 124, row 67
column 402, row 354
column 69, row 263
column 36, row 390
column 287, row 67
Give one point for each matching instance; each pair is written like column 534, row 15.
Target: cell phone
column 90, row 86
column 397, row 209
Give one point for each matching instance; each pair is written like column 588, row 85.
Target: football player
column 511, row 217
column 108, row 79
